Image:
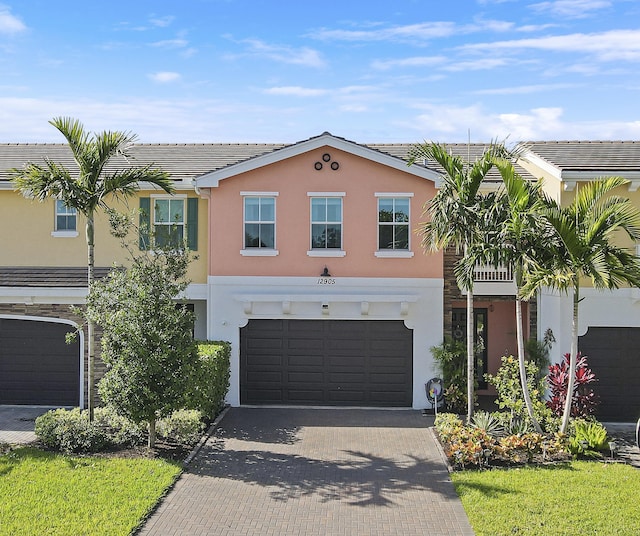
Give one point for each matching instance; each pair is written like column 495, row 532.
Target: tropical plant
column 580, row 244
column 583, row 400
column 450, row 359
column 88, row 189
column 588, row 440
column 455, row 219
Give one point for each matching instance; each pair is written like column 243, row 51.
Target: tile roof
column 185, row 161
column 47, row 276
column 597, row 156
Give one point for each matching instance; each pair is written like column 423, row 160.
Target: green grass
column 579, row 498
column 56, row 495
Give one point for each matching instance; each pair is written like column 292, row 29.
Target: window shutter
column 192, row 223
column 145, row 223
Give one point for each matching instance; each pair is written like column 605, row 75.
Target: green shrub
column 70, row 431
column 120, row 431
column 451, row 363
column 588, row 439
column 183, row 426
column 210, row 380
column 489, row 422
column 510, row 397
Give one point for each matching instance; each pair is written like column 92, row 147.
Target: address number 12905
column 326, row 281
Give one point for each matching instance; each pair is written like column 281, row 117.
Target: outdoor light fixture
column 325, row 272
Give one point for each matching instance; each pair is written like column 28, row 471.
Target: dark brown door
column 459, row 325
column 37, row 366
column 326, row 362
column 614, row 356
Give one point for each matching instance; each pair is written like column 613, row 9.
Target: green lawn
column 52, row 494
column 580, row 498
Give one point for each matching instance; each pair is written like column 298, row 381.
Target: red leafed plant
column 584, row 400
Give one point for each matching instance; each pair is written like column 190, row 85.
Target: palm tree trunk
column 523, row 371
column 90, row 335
column 573, row 357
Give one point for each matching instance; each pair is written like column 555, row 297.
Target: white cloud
column 165, row 77
column 476, row 65
column 296, row 91
column 162, row 22
column 523, row 90
column 417, row 61
column 171, row 43
column 606, row 46
column 571, row 8
column 425, row 30
column 284, row 54
column 10, row 24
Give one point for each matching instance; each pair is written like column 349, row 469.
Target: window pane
column 402, row 237
column 319, row 209
column 334, row 236
column 161, row 211
column 402, row 210
column 177, row 210
column 385, row 237
column 318, row 235
column 385, row 210
column 267, row 209
column 251, row 235
column 267, row 235
column 252, row 209
column 334, row 209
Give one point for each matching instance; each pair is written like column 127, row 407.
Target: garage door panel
column 613, row 356
column 36, row 364
column 329, row 362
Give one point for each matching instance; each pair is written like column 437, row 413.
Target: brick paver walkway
column 314, row 472
column 16, row 423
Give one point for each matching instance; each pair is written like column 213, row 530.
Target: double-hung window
column 66, row 220
column 393, row 224
column 326, row 224
column 259, row 223
column 168, row 222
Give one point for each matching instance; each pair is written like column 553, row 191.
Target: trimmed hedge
column 211, row 378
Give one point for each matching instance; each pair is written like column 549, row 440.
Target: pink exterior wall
column 501, row 327
column 359, row 178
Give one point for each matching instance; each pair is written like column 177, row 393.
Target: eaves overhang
column 212, row 179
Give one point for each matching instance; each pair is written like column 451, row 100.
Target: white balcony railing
column 484, row 273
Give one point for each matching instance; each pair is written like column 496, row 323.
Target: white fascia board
column 73, row 295
column 212, row 180
column 178, row 185
column 547, row 167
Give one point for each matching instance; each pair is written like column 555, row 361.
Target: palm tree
column 88, row 188
column 518, row 237
column 581, row 246
column 455, row 219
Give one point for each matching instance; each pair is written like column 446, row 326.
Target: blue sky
column 286, row 70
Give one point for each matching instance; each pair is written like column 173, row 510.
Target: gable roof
column 326, row 139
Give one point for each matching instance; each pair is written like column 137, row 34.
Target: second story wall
column 353, row 188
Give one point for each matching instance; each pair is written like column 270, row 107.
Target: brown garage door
column 614, row 356
column 326, row 362
column 36, row 365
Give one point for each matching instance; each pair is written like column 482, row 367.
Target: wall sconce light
column 325, row 272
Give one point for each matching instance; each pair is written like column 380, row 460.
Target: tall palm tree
column 88, row 188
column 455, row 217
column 518, row 237
column 582, row 246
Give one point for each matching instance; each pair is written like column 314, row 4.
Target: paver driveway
column 315, row 472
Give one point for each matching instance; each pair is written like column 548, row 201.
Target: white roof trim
column 212, row 179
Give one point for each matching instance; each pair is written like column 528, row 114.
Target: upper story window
column 65, row 217
column 168, row 222
column 326, row 223
column 259, row 222
column 66, row 220
column 393, row 223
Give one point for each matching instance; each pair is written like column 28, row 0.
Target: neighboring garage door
column 614, row 356
column 326, row 362
column 36, row 365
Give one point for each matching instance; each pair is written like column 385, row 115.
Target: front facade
column 308, row 263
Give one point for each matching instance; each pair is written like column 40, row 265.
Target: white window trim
column 394, row 253
column 152, row 216
column 64, row 234
column 393, row 194
column 329, row 252
column 260, row 252
column 326, row 194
